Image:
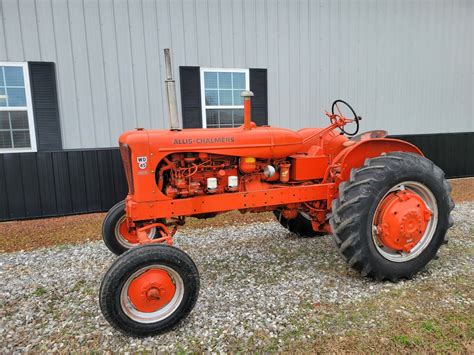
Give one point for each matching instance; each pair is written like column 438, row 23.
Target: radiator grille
column 126, row 154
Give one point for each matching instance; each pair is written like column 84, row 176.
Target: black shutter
column 45, row 105
column 258, row 85
column 190, row 81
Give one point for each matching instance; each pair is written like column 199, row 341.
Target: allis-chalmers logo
column 204, row 140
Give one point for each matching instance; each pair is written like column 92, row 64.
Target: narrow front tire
column 149, row 290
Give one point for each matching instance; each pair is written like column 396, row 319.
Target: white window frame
column 203, row 91
column 28, row 108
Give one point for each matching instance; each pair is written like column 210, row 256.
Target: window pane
column 5, row 139
column 239, row 81
column 14, row 76
column 212, row 118
column 210, row 80
column 224, row 89
column 16, row 97
column 3, row 101
column 225, row 97
column 225, row 80
column 238, row 100
column 238, row 117
column 19, row 119
column 225, row 118
column 4, row 120
column 21, row 139
column 212, row 98
column 14, row 126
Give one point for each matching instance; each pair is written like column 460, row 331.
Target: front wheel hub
column 130, row 235
column 152, row 290
column 402, row 220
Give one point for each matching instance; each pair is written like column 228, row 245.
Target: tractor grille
column 126, row 154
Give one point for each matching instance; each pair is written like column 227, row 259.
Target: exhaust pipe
column 171, row 93
column 247, row 95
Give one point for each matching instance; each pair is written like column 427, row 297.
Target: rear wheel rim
column 429, row 200
column 126, row 238
column 167, row 298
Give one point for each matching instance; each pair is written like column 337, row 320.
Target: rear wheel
column 115, row 232
column 301, row 225
column 149, row 290
column 392, row 216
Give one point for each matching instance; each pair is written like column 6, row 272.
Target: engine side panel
column 304, row 167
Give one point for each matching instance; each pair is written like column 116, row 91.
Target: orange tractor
column 386, row 205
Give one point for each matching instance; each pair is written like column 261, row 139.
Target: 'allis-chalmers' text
column 204, row 140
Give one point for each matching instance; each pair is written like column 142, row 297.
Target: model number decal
column 204, row 140
column 142, row 162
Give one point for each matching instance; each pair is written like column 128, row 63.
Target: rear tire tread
column 349, row 211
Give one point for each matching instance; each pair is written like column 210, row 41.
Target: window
column 16, row 114
column 222, row 105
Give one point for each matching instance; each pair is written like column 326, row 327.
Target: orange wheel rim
column 151, row 291
column 129, row 235
column 402, row 220
column 405, row 221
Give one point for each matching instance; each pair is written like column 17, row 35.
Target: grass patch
column 432, row 328
column 40, row 291
column 385, row 323
column 79, row 285
column 406, row 341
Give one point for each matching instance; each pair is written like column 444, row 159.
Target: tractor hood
column 259, row 142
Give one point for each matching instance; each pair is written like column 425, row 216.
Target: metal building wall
column 406, row 66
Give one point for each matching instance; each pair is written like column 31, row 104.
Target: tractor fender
column 355, row 155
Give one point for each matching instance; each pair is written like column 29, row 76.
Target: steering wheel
column 356, row 118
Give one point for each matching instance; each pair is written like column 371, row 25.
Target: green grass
column 433, row 328
column 40, row 291
column 406, row 341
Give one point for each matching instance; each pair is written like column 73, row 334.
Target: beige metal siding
column 406, row 66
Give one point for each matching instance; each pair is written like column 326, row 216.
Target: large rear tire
column 392, row 216
column 301, row 225
column 149, row 290
column 115, row 233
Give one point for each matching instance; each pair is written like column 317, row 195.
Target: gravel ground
column 258, row 283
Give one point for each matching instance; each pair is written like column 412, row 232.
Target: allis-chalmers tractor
column 386, row 205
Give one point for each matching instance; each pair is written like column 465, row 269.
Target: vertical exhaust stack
column 247, row 95
column 171, row 93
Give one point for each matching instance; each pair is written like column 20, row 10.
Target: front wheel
column 149, row 290
column 115, row 232
column 392, row 216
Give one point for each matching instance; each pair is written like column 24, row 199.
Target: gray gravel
column 256, row 283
